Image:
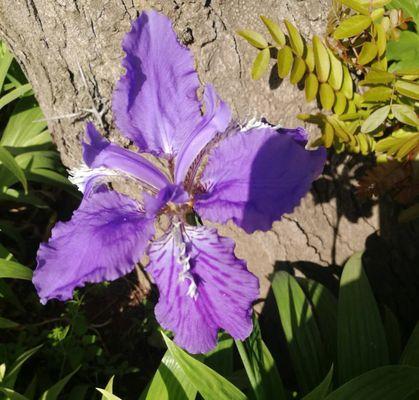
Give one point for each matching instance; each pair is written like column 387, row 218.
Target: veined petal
column 99, row 154
column 215, row 120
column 203, row 287
column 103, row 240
column 255, row 177
column 155, row 103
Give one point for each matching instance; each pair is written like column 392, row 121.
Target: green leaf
column 261, row 64
column 9, row 194
column 408, row 89
column 14, row 270
column 109, row 387
column 381, row 39
column 378, row 93
column 254, row 38
column 106, row 395
column 410, row 354
column 340, row 103
column 7, row 160
column 260, row 367
column 54, row 391
column 361, row 343
column 311, row 87
column 410, row 8
column 368, row 53
column 298, row 70
column 327, row 96
column 301, row 332
column 352, row 26
column 357, row 5
column 275, row 31
column 296, row 40
column 391, row 326
column 52, row 178
column 347, row 84
column 321, row 391
column 7, row 323
column 336, row 72
column 285, row 60
column 5, row 60
column 12, row 395
column 376, row 77
column 405, row 114
column 405, row 51
column 221, row 358
column 375, row 119
column 14, row 94
column 169, row 382
column 210, row 385
column 13, row 371
column 321, row 59
column 394, row 382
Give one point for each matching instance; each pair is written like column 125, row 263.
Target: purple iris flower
column 209, row 167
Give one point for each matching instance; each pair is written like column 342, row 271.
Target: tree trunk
column 55, row 39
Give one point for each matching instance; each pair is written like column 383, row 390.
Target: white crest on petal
column 80, row 175
column 254, row 123
column 183, row 259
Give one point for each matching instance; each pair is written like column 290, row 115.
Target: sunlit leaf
column 410, row 8
column 375, row 119
column 408, row 89
column 8, row 161
column 368, row 53
column 311, row 87
column 405, row 114
column 378, row 93
column 347, row 83
column 261, row 64
column 254, row 38
column 298, row 70
column 285, row 60
column 14, row 270
column 361, row 343
column 327, row 96
column 375, row 77
column 296, row 40
column 275, row 31
column 12, row 395
column 352, row 26
column 340, row 103
column 357, row 5
column 321, row 59
column 336, row 72
column 5, row 61
column 309, row 58
column 14, row 94
column 381, row 39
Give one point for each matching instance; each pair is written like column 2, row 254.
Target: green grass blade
column 321, row 391
column 12, row 395
column 14, row 94
column 301, row 332
column 362, row 343
column 54, row 391
column 15, row 270
column 210, row 384
column 410, row 354
column 5, row 61
column 7, row 323
column 10, row 163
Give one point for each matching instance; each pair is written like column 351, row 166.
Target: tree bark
column 55, row 39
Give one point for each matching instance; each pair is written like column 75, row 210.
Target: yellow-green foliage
column 364, row 106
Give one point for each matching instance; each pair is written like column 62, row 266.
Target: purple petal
column 216, row 119
column 106, row 236
column 203, row 287
column 100, row 153
column 255, row 177
column 171, row 193
column 155, row 103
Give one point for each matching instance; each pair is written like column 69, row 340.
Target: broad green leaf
column 405, row 114
column 347, row 84
column 296, row 40
column 309, row 58
column 327, row 96
column 340, row 103
column 13, row 371
column 106, row 395
column 368, row 53
column 352, row 26
column 301, row 332
column 21, row 129
column 378, row 93
column 260, row 367
column 52, row 178
column 7, row 323
column 8, row 161
column 210, row 385
column 275, row 31
column 298, row 70
column 408, row 89
column 375, row 119
column 5, row 60
column 9, row 194
column 54, row 391
column 261, row 64
column 410, row 8
column 361, row 344
column 381, row 39
column 321, row 391
column 311, row 87
column 391, row 326
column 221, row 358
column 356, row 5
column 325, row 310
column 377, row 77
column 336, row 72
column 328, row 134
column 321, row 59
column 14, row 94
column 395, row 382
column 405, row 51
column 14, row 270
column 12, row 395
column 410, row 354
column 254, row 38
column 169, row 382
column 285, row 60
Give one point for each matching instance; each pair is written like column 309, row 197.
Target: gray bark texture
column 52, row 38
